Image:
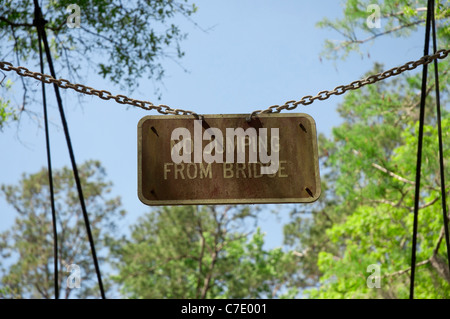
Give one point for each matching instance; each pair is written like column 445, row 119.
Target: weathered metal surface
column 163, row 182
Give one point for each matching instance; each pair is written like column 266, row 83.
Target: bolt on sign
column 224, row 159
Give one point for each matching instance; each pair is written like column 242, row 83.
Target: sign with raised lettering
column 225, row 159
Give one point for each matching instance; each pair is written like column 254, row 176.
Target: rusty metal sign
column 224, row 159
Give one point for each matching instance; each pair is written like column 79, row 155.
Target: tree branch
column 398, row 177
column 21, row 77
column 401, row 272
column 347, row 43
column 402, row 12
column 42, row 292
column 300, row 254
column 441, row 267
column 12, row 24
column 426, row 204
column 397, row 205
column 209, row 276
column 441, row 236
column 200, row 259
column 385, row 201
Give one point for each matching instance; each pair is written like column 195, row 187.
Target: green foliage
column 373, row 155
column 132, row 37
column 200, row 252
column 6, row 111
column 399, row 18
column 368, row 170
column 27, row 249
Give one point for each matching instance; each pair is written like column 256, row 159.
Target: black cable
column 69, row 145
column 441, row 151
column 49, row 164
column 419, row 150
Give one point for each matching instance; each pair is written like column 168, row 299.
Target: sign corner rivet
column 309, row 192
column 303, row 128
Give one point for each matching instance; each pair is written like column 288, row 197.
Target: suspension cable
column 419, row 151
column 49, row 164
column 40, row 22
column 441, row 150
column 289, row 105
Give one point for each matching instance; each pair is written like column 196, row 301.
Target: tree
column 6, row 112
column 27, row 249
column 132, row 37
column 201, row 252
column 375, row 158
column 366, row 215
column 398, row 18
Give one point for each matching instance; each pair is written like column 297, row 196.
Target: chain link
column 105, row 95
column 341, row 89
column 164, row 109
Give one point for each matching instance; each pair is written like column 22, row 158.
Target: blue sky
column 254, row 54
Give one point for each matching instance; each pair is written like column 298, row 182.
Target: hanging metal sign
column 224, row 159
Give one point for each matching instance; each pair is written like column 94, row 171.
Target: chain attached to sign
column 164, row 109
column 223, row 159
column 176, row 167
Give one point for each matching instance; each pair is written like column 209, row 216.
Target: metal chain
column 341, row 89
column 105, row 95
column 164, row 109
